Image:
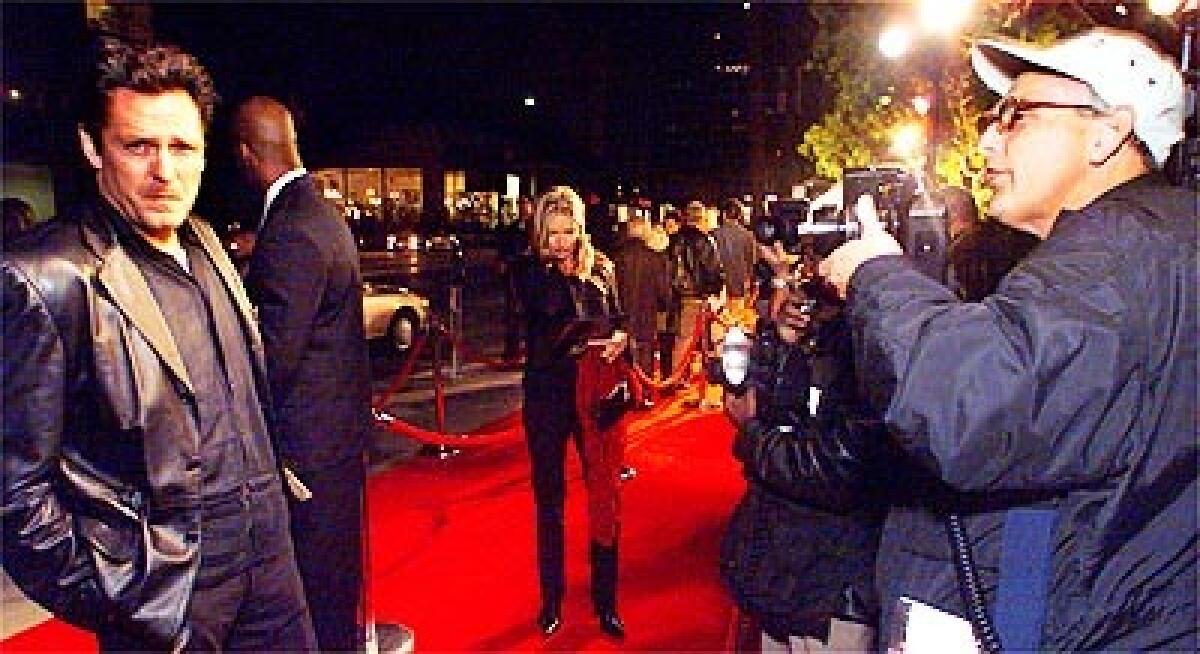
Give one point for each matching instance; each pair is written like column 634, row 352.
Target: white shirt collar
column 276, row 188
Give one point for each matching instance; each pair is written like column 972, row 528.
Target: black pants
column 247, row 594
column 549, row 423
column 327, row 531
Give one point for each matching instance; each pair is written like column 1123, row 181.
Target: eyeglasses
column 1009, row 111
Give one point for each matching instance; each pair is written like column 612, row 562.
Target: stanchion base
column 442, row 452
column 387, row 638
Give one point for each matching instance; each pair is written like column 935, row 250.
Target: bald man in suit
column 304, row 278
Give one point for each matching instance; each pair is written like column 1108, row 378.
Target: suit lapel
column 232, row 281
column 128, row 289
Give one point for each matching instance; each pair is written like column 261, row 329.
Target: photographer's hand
column 740, row 408
column 840, row 265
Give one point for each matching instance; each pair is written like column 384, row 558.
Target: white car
column 395, row 313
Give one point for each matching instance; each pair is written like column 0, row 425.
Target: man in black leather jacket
column 141, row 495
column 696, row 273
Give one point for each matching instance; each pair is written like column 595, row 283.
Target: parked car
column 394, row 313
column 443, row 242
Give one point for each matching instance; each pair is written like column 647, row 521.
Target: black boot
column 604, row 589
column 550, row 568
column 549, row 618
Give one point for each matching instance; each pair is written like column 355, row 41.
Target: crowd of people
column 1014, row 445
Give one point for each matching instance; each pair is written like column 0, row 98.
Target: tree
column 868, row 96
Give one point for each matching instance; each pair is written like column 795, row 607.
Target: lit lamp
column 907, row 140
column 941, row 18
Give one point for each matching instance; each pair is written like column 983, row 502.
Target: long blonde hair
column 562, row 201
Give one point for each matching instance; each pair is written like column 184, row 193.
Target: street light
column 907, row 140
column 894, row 41
column 943, row 17
column 921, row 105
column 1163, row 7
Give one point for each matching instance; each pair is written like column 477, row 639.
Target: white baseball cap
column 1123, row 68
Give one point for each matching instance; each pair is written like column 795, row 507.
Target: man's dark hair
column 145, row 69
column 731, row 209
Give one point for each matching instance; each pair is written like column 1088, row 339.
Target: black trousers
column 247, row 594
column 327, row 531
column 549, row 423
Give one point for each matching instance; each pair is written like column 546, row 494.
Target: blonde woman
column 571, row 300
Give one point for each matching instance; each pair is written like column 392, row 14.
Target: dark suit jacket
column 101, row 509
column 305, row 280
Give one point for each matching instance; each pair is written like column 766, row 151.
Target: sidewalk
column 478, row 395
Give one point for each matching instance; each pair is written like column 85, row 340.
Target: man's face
column 1037, row 160
column 149, row 159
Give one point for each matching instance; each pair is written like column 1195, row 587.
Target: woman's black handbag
column 609, row 409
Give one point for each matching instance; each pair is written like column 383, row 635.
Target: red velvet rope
column 684, row 367
column 402, row 428
column 405, row 370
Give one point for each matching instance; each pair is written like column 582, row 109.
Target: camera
column 815, row 228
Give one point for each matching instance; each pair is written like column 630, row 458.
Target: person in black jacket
column 798, row 552
column 697, row 278
column 304, row 278
column 570, row 297
column 1070, row 390
column 141, row 492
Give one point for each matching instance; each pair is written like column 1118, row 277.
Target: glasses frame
column 1009, row 111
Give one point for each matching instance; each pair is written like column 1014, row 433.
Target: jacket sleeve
column 829, row 465
column 285, row 280
column 1013, row 393
column 42, row 549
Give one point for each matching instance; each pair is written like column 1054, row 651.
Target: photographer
column 1069, row 392
column 801, row 543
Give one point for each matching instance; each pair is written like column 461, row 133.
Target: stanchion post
column 456, row 328
column 439, row 392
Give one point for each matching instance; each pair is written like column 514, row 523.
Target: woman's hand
column 616, row 345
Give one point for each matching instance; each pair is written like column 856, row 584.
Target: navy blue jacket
column 1074, row 386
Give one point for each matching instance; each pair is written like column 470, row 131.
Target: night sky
column 375, row 63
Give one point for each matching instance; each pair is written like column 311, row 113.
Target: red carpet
column 453, row 556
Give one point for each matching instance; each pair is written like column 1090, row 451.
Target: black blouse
column 561, row 312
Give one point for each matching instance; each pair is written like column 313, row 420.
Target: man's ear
column 90, row 151
column 1109, row 134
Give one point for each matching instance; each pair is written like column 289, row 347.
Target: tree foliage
column 869, row 97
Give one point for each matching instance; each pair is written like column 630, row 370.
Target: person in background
column 570, row 287
column 697, row 277
column 668, row 330
column 142, row 496
column 1064, row 403
column 511, row 256
column 738, row 252
column 981, row 252
column 18, row 219
column 645, row 289
column 304, row 279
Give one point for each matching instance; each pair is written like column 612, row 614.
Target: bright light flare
column 14, row 94
column 530, row 101
column 1163, row 7
column 944, row 16
column 907, row 140
column 921, row 104
column 895, row 41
